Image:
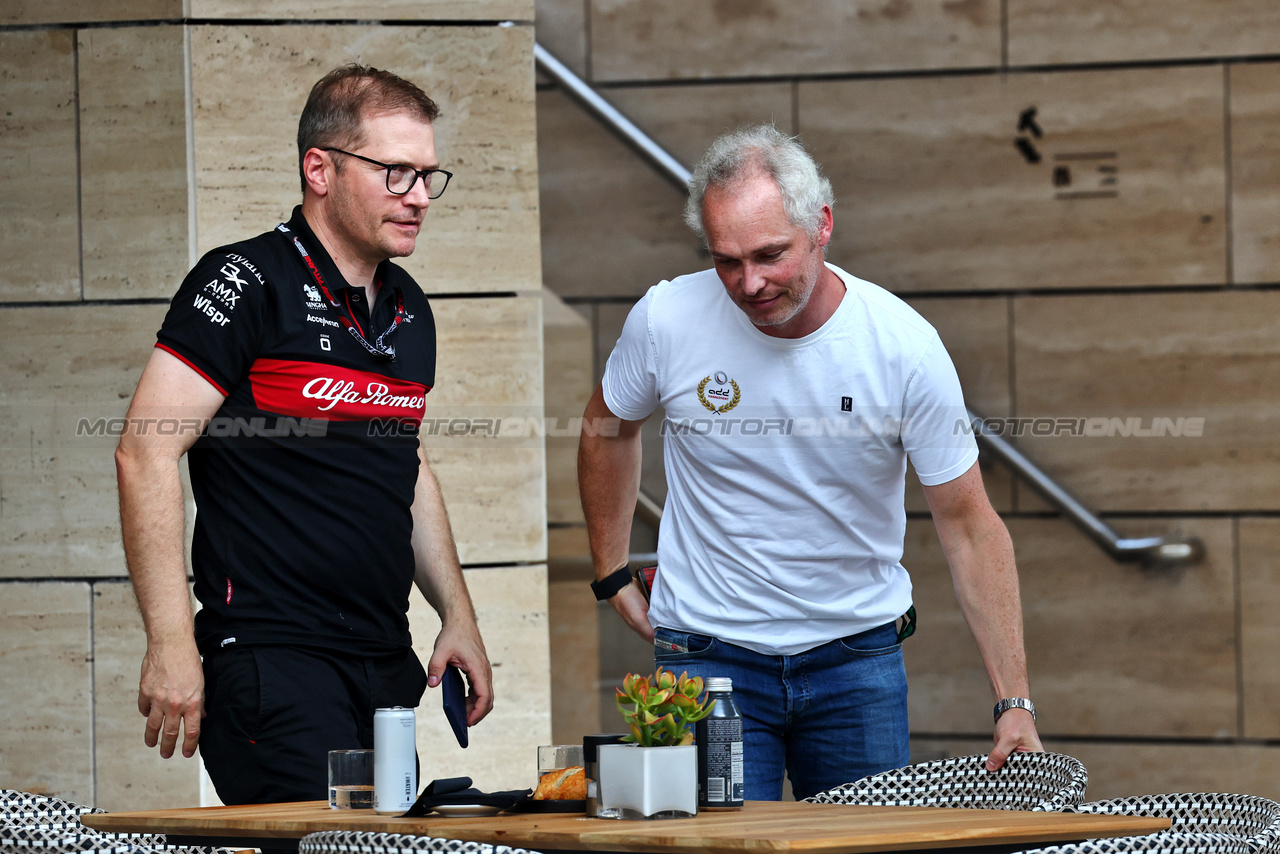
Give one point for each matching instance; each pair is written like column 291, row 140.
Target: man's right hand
column 153, row 526
column 630, row 603
column 171, row 696
column 608, row 482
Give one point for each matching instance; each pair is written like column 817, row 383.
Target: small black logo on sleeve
column 846, row 404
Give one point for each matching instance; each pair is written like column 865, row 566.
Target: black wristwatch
column 611, row 584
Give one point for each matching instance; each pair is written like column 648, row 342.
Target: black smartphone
column 454, row 697
column 645, row 575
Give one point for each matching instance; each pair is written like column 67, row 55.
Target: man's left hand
column 463, row 648
column 1015, row 731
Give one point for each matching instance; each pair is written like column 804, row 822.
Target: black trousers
column 273, row 713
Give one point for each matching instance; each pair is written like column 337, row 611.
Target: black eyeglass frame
column 424, row 174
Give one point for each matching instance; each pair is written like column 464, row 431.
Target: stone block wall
column 1083, row 197
column 136, row 135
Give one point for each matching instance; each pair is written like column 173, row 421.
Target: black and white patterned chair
column 369, row 842
column 27, row 810
column 13, row 799
column 1164, row 842
column 29, row 822
column 1028, row 781
column 41, row 839
column 1251, row 818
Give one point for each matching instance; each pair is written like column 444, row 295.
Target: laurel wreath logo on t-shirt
column 719, row 393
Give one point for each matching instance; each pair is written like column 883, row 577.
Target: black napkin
column 458, row 790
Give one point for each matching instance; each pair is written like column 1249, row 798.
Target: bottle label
column 722, row 777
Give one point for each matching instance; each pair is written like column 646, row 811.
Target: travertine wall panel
column 976, row 335
column 129, row 775
column 1052, row 32
column 477, row 431
column 573, row 615
column 133, row 151
column 87, row 11
column 46, row 686
column 64, row 366
column 250, row 84
column 1255, row 171
column 1260, row 626
column 975, row 332
column 1147, row 357
column 385, row 10
column 496, row 499
column 39, row 222
column 511, row 606
column 562, row 30
column 610, row 319
column 664, row 39
column 568, row 383
column 1119, row 770
column 585, row 172
column 939, row 197
column 687, row 119
column 1095, row 629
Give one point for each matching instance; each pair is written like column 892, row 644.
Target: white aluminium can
column 395, row 761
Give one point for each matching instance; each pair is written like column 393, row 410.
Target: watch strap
column 611, row 584
column 1014, row 703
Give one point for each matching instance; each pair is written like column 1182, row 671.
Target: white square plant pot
column 648, row 782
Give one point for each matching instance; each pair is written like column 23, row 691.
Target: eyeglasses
column 401, row 177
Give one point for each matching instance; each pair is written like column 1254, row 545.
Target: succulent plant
column 660, row 709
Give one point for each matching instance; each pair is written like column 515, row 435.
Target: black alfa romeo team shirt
column 304, row 478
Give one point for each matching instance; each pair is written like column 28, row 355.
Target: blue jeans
column 827, row 716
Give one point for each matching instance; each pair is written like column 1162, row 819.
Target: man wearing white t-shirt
column 794, row 395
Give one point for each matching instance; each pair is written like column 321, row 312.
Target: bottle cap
column 719, row 683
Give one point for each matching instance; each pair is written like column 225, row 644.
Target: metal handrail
column 1156, row 551
column 578, row 89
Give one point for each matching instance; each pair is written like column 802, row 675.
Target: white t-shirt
column 786, row 458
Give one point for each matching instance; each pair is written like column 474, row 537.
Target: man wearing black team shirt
column 292, row 369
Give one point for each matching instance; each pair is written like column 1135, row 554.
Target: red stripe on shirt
column 316, row 390
column 222, row 391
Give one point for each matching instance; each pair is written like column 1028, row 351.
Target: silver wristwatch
column 1015, row 703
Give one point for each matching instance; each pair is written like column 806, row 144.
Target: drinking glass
column 351, row 779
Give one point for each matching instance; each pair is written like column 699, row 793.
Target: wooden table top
column 761, row 826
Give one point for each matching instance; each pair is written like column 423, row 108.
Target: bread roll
column 567, row 784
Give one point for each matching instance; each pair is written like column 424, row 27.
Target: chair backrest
column 370, row 842
column 1028, row 781
column 1255, row 820
column 1164, row 842
column 55, row 824
column 17, row 839
column 25, row 808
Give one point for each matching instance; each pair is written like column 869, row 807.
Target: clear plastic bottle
column 719, row 740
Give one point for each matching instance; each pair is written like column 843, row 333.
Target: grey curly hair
column 737, row 154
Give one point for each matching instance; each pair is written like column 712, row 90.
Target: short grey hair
column 738, row 154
